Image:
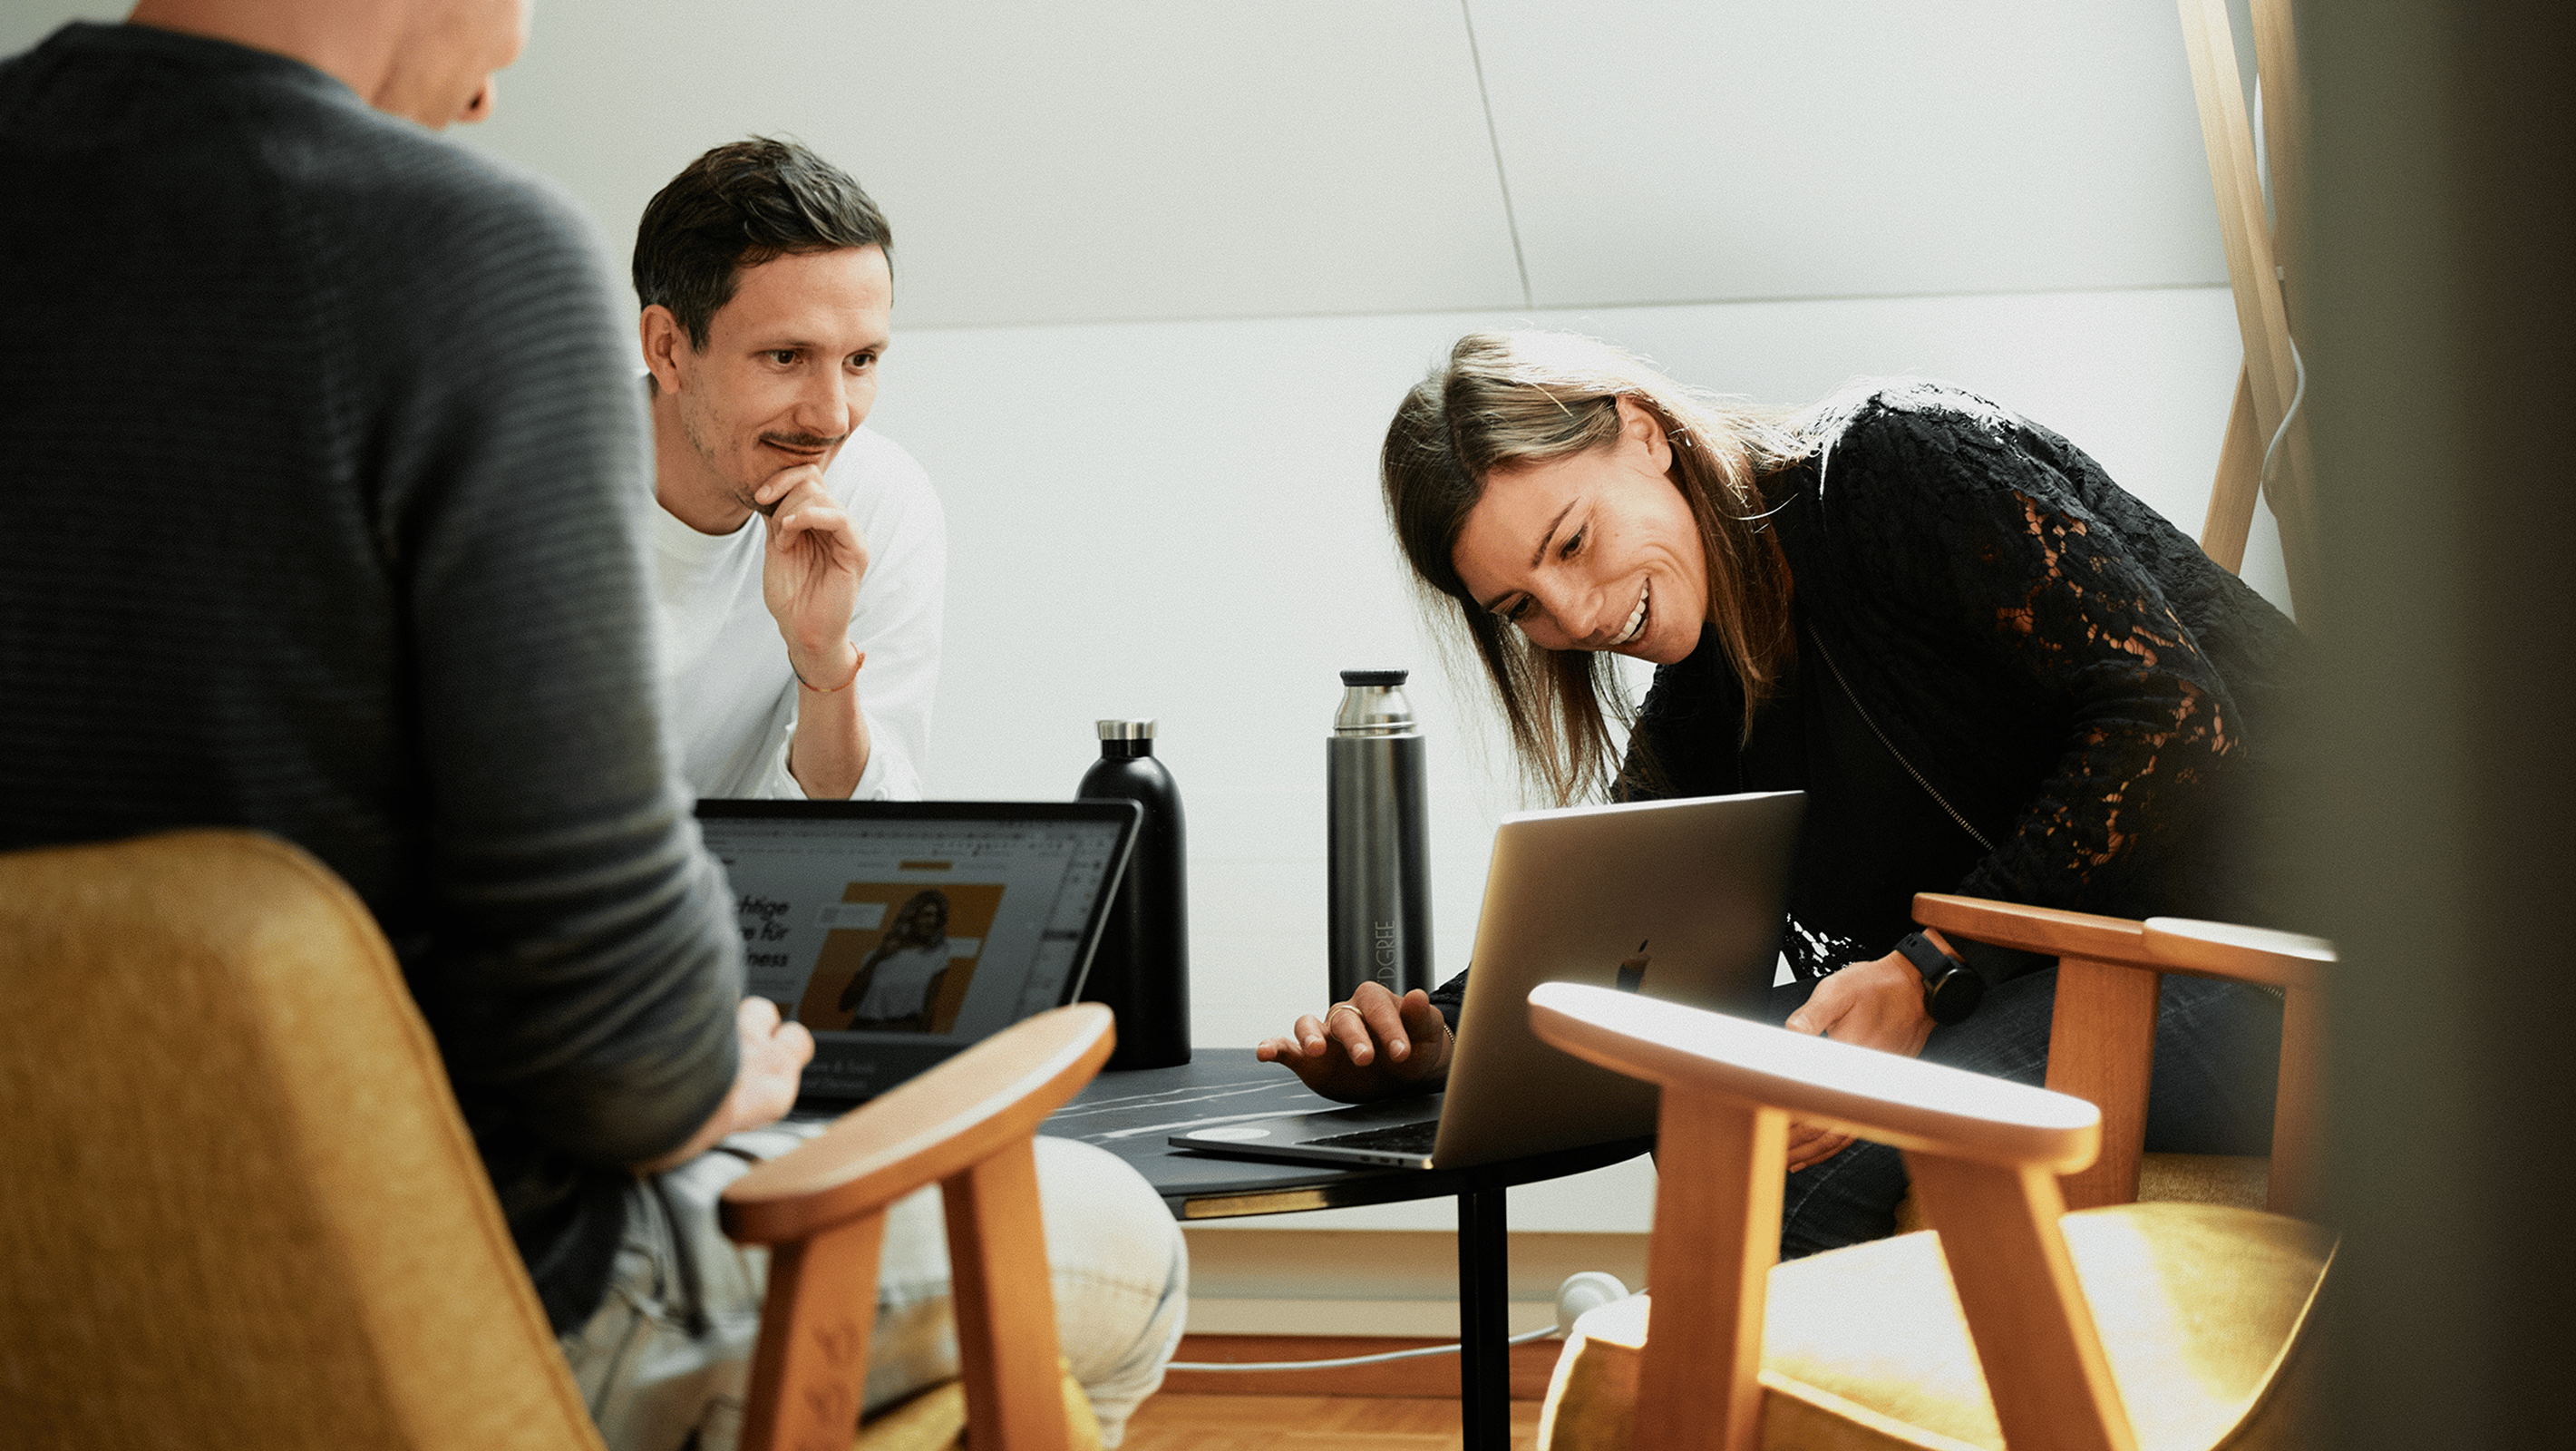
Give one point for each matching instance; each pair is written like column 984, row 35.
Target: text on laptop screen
column 911, row 931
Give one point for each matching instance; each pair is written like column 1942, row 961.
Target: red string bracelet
column 829, row 689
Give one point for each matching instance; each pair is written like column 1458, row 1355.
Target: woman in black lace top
column 1992, row 670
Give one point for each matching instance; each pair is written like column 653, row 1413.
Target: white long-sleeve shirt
column 730, row 695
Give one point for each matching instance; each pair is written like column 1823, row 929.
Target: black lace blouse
column 1872, row 834
column 2066, row 670
column 2082, row 686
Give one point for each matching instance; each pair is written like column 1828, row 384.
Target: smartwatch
column 1951, row 988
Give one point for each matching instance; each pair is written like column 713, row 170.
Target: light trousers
column 664, row 1361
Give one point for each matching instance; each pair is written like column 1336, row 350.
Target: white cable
column 1523, row 1338
column 1579, row 1293
column 2263, row 480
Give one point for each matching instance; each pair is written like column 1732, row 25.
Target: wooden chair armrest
column 1890, row 1099
column 2244, row 954
column 926, row 1130
column 2044, row 930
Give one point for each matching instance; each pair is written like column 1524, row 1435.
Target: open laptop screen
column 900, row 932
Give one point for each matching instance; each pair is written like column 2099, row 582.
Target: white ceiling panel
column 1054, row 163
column 1160, row 159
column 1670, row 150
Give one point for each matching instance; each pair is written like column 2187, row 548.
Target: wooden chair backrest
column 2102, row 1037
column 1985, row 1155
column 238, row 1206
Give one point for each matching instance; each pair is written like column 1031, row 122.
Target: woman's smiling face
column 1593, row 551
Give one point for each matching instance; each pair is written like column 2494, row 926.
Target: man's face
column 789, row 370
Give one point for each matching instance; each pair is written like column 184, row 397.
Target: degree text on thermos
column 1141, row 969
column 1378, row 879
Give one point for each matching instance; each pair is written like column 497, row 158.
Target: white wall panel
column 1680, row 150
column 1180, row 521
column 1049, row 163
column 23, row 23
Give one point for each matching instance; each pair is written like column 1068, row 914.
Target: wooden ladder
column 2257, row 244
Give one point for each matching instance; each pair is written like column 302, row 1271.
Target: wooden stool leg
column 1717, row 1234
column 812, row 1361
column 2025, row 1310
column 2298, row 1113
column 1004, row 1294
column 2230, row 520
column 2101, row 1048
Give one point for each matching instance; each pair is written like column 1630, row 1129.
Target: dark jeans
column 2218, row 1049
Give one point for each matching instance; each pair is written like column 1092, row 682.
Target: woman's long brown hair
column 1508, row 399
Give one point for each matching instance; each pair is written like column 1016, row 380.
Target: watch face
column 1954, row 995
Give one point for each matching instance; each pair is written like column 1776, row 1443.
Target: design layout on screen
column 947, row 930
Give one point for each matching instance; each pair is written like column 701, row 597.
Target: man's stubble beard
column 714, row 463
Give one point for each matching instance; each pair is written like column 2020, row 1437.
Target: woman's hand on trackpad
column 1375, row 1045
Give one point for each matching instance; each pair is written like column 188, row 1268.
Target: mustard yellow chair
column 2103, row 1034
column 238, row 1206
column 2009, row 1323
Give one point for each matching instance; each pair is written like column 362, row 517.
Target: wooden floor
column 1184, row 1422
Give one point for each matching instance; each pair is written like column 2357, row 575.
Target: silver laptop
column 1681, row 900
column 899, row 932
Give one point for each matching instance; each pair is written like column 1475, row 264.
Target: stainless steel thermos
column 1142, row 966
column 1378, row 891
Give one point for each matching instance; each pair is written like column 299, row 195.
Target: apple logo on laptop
column 1633, row 971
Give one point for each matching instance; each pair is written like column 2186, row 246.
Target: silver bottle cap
column 1373, row 704
column 1126, row 730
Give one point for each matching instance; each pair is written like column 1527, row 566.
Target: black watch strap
column 1951, row 988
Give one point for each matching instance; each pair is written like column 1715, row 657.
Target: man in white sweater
column 800, row 650
column 801, row 653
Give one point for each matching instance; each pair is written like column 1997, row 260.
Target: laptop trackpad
column 1388, row 1126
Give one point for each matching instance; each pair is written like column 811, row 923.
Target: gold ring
column 1343, row 1008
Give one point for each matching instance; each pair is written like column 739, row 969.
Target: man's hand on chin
column 810, row 571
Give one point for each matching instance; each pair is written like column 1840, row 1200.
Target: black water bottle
column 1142, row 969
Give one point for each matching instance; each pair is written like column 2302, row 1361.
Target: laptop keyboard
column 1416, row 1137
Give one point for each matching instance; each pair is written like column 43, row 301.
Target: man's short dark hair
column 742, row 204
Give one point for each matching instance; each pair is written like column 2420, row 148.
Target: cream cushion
column 2241, row 1180
column 1865, row 1347
column 2238, row 1179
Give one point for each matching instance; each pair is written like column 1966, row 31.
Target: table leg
column 1484, row 1326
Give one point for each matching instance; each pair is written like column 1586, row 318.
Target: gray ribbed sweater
column 320, row 480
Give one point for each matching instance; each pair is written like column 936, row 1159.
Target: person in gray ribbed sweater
column 321, row 471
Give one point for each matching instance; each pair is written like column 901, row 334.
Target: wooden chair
column 2103, row 1034
column 967, row 1126
column 238, row 1206
column 2011, row 1323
